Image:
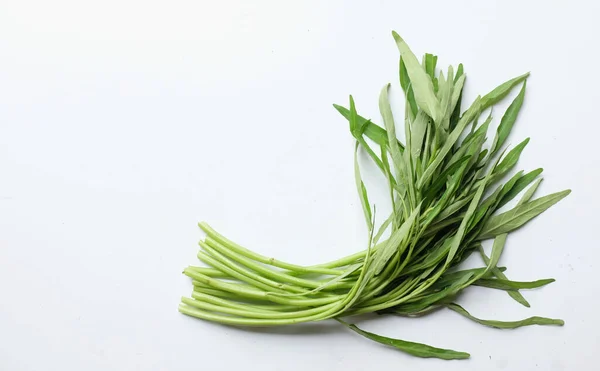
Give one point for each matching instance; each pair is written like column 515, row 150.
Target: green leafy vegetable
column 445, row 191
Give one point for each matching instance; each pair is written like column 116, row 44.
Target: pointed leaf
column 452, row 138
column 418, row 130
column 508, row 120
column 390, row 126
column 523, row 182
column 516, row 295
column 456, row 113
column 457, row 91
column 529, row 193
column 506, row 324
column 511, row 159
column 501, row 91
column 373, row 131
column 394, row 243
column 503, row 284
column 421, row 82
column 415, row 349
column 439, row 182
column 354, row 127
column 435, row 297
column 362, row 190
column 430, row 63
column 406, row 86
column 519, row 215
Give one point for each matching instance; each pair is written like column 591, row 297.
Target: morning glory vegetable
column 446, row 184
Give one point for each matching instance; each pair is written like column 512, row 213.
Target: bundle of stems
column 445, row 189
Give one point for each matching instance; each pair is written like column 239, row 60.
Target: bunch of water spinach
column 438, row 181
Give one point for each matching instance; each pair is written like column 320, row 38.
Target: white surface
column 123, row 123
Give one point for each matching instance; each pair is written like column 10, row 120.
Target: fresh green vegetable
column 437, row 180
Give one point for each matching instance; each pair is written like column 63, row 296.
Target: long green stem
column 260, row 258
column 282, row 277
column 254, row 293
column 249, row 312
column 242, row 274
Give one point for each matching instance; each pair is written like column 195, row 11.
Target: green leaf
column 448, row 278
column 421, row 82
column 468, row 279
column 390, row 126
column 510, row 159
column 450, row 291
column 396, row 243
column 453, row 208
column 459, row 72
column 508, row 120
column 457, row 91
column 481, row 131
column 489, row 205
column 445, row 97
column 383, row 227
column 506, row 324
column 472, row 144
column 481, row 157
column 371, row 130
column 391, row 181
column 406, row 86
column 430, row 63
column 418, row 130
column 519, row 215
column 357, row 128
column 456, row 113
column 516, row 295
column 415, row 349
column 440, row 180
column 502, row 284
column 501, row 91
column 452, row 138
column 497, row 249
column 434, row 256
column 456, row 241
column 362, row 190
column 520, row 185
column 529, row 193
column 354, row 127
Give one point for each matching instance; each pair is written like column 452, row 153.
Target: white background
column 123, row 123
